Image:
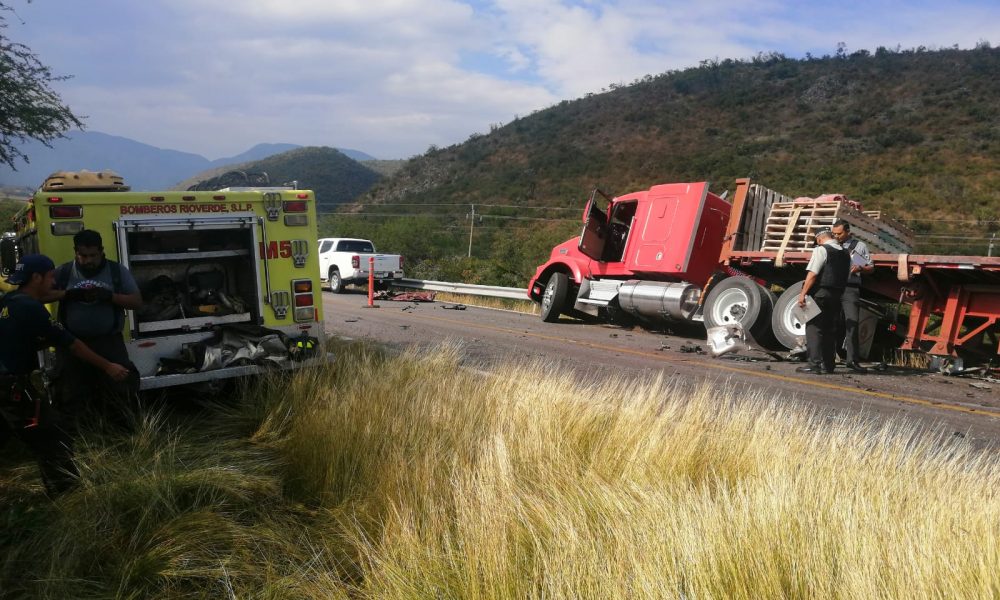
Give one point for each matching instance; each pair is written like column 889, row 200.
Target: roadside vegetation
column 522, row 306
column 411, row 477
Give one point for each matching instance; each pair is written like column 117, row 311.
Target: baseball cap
column 28, row 265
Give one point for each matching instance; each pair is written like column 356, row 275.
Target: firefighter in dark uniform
column 25, row 327
column 826, row 278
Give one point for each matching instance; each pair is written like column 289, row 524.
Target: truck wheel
column 789, row 331
column 554, row 298
column 740, row 300
column 336, row 283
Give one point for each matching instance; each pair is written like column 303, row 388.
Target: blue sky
column 392, row 77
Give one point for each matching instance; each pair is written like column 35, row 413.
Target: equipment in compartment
column 193, row 279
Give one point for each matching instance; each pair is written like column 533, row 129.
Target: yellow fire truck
column 229, row 278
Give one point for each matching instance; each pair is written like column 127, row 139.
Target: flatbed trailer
column 954, row 301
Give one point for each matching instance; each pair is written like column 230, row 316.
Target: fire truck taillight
column 302, row 196
column 53, row 199
column 294, row 206
column 355, row 262
column 302, row 293
column 303, row 300
column 66, row 212
column 296, row 220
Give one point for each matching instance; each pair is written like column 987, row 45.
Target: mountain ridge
column 145, row 167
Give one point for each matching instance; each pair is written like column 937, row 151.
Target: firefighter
column 93, row 293
column 826, row 278
column 26, row 326
column 861, row 262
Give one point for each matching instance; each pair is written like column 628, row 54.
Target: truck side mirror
column 8, row 255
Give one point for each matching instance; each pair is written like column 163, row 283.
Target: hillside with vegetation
column 334, row 176
column 912, row 132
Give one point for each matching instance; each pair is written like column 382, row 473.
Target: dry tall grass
column 409, row 477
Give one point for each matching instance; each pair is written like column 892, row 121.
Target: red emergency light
column 66, row 212
column 53, row 199
column 294, row 206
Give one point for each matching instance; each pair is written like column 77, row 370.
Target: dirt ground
column 962, row 406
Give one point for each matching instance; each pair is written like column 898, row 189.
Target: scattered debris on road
column 405, row 296
column 689, row 348
column 454, row 307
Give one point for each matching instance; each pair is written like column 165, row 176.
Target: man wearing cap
column 826, row 278
column 25, row 327
column 93, row 293
column 861, row 262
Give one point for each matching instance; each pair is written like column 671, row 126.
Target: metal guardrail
column 492, row 291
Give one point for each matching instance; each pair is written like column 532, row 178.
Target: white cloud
column 391, row 77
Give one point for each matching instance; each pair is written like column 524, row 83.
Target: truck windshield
column 355, row 246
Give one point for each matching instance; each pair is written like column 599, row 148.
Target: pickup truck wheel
column 336, row 283
column 554, row 298
column 789, row 330
column 740, row 300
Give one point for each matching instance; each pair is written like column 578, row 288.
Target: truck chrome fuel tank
column 658, row 299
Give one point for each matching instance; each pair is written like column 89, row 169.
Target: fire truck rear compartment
column 193, row 279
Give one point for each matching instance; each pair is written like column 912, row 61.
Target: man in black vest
column 861, row 262
column 93, row 295
column 826, row 278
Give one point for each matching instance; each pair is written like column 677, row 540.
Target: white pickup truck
column 343, row 261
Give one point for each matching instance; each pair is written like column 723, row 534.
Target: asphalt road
column 962, row 406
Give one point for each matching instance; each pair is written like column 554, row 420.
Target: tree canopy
column 29, row 108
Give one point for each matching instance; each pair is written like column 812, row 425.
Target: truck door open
column 193, row 273
column 595, row 227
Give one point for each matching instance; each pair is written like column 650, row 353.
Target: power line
column 404, row 215
column 465, row 204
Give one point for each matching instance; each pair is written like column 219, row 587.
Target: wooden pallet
column 750, row 235
column 792, row 226
column 901, row 232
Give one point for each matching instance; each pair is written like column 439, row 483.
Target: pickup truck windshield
column 356, row 246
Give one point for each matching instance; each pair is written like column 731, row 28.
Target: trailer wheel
column 336, row 283
column 740, row 300
column 789, row 331
column 554, row 298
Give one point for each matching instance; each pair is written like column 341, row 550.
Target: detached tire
column 336, row 283
column 788, row 330
column 554, row 298
column 740, row 300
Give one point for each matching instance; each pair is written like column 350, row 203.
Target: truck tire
column 740, row 300
column 336, row 283
column 554, row 298
column 789, row 331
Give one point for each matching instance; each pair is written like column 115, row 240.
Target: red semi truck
column 680, row 252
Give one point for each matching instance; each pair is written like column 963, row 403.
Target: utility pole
column 472, row 225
